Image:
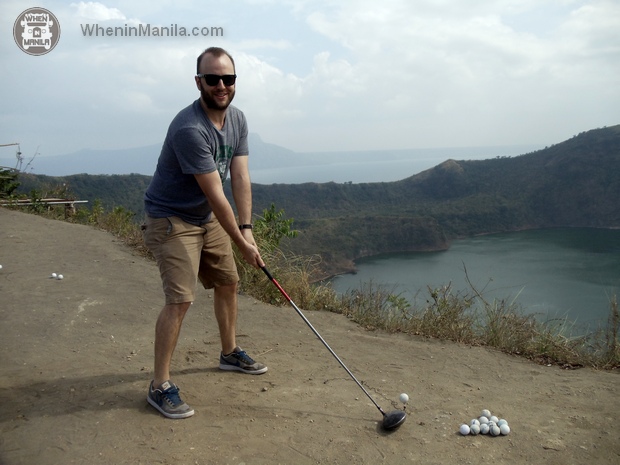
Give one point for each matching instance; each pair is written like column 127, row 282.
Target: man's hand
column 250, row 252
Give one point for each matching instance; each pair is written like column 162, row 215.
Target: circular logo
column 36, row 31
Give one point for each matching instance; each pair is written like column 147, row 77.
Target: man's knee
column 226, row 291
column 181, row 306
column 227, row 288
column 177, row 310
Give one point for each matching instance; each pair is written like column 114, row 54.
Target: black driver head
column 393, row 419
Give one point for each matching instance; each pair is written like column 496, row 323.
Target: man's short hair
column 216, row 52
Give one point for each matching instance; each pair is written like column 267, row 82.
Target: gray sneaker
column 166, row 399
column 239, row 360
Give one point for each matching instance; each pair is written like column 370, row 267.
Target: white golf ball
column 504, row 429
column 494, row 419
column 494, row 430
column 464, row 429
column 60, row 276
column 404, row 398
column 0, row 267
column 54, row 275
column 486, row 413
column 502, row 422
column 484, row 428
column 483, row 420
column 474, row 429
column 474, row 421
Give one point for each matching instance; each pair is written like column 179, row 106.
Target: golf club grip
column 273, row 280
column 264, row 268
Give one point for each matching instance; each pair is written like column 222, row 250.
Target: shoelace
column 171, row 395
column 244, row 357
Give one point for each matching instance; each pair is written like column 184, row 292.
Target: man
column 190, row 223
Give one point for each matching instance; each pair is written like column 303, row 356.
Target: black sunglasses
column 214, row 79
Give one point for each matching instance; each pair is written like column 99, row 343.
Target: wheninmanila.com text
column 146, row 30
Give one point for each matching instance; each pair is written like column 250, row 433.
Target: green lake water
column 554, row 273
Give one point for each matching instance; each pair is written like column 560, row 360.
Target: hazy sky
column 321, row 75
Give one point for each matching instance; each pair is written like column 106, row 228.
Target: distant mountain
column 138, row 160
column 271, row 163
column 571, row 184
column 553, row 184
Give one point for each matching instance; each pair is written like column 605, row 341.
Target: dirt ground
column 76, row 358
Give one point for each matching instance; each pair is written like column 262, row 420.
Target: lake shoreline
column 349, row 266
column 555, row 272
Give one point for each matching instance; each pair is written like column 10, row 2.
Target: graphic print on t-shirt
column 222, row 160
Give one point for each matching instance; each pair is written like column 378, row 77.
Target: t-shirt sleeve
column 194, row 154
column 243, row 146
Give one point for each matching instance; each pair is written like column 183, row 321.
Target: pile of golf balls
column 485, row 424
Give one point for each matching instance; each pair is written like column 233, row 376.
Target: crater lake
column 553, row 273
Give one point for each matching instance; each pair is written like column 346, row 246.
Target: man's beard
column 212, row 104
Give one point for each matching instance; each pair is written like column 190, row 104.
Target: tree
column 8, row 182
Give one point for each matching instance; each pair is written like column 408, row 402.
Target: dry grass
column 466, row 318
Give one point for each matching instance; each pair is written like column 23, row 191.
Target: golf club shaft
column 303, row 317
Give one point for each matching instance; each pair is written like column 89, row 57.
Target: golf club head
column 393, row 419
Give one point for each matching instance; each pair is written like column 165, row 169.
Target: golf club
column 391, row 420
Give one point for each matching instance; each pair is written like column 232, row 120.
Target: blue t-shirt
column 193, row 145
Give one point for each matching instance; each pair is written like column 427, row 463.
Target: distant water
column 369, row 166
column 553, row 273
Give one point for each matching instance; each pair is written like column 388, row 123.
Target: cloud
column 97, row 11
column 327, row 74
column 262, row 44
column 481, row 69
column 266, row 93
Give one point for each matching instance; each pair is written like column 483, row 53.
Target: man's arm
column 241, row 188
column 211, row 185
column 242, row 193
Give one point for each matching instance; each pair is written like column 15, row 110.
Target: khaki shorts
column 185, row 252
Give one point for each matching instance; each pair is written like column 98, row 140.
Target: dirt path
column 76, row 358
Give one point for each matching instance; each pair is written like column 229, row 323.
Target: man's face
column 219, row 96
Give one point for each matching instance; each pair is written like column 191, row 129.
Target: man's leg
column 167, row 330
column 219, row 272
column 232, row 357
column 176, row 246
column 225, row 307
column 164, row 394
